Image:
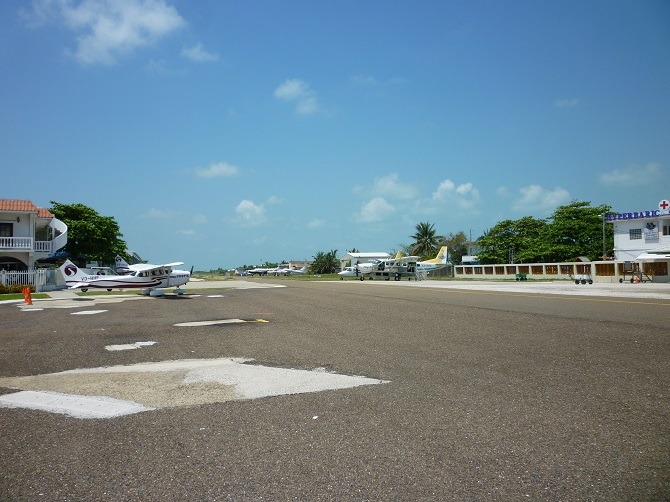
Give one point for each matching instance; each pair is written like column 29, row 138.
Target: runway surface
column 344, row 390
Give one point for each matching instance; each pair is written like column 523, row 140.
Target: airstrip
column 266, row 389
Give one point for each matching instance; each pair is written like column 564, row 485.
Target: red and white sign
column 664, row 204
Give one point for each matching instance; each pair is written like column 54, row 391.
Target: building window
column 666, row 229
column 6, row 230
column 635, row 233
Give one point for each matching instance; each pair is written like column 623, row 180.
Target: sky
column 229, row 133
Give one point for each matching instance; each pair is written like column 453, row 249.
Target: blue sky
column 229, row 133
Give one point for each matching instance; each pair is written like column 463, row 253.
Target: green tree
column 90, row 236
column 325, row 262
column 512, row 241
column 576, row 229
column 457, row 245
column 426, row 241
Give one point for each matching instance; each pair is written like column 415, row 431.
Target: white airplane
column 372, row 268
column 175, row 277
column 259, row 271
column 398, row 267
column 150, row 279
column 289, row 271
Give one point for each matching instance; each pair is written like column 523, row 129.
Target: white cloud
column 159, row 214
column 537, row 198
column 390, row 186
column 250, row 213
column 315, row 223
column 106, row 29
column 273, row 199
column 186, row 232
column 566, row 103
column 363, row 80
column 375, row 210
column 464, row 195
column 219, row 170
column 633, row 175
column 299, row 92
column 198, row 54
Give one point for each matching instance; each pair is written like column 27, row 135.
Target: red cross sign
column 664, row 204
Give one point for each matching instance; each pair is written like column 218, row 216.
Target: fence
column 38, row 278
column 599, row 271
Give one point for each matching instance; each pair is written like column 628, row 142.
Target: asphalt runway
column 478, row 394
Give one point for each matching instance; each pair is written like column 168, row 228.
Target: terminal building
column 641, row 254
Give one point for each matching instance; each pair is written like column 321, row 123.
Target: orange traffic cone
column 26, row 295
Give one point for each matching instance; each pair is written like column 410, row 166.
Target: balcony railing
column 23, row 244
column 16, row 243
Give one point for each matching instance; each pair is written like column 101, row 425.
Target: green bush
column 14, row 288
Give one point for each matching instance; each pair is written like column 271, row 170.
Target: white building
column 641, row 232
column 28, row 233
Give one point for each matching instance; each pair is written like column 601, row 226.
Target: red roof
column 24, row 206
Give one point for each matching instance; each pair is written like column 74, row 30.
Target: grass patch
column 19, row 296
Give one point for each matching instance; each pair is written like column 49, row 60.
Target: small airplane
column 150, row 279
column 259, row 271
column 372, row 268
column 176, row 277
column 290, row 271
column 398, row 267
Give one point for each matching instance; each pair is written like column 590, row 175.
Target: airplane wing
column 175, row 264
column 143, row 267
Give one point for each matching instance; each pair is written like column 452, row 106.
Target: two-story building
column 637, row 233
column 27, row 233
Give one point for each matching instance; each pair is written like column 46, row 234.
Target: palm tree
column 325, row 263
column 426, row 240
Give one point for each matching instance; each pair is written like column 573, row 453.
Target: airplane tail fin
column 441, row 257
column 121, row 265
column 71, row 272
column 399, row 255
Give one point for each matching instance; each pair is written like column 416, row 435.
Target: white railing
column 16, row 243
column 43, row 246
column 37, row 278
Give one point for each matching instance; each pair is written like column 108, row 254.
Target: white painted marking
column 145, row 344
column 148, row 386
column 88, row 312
column 28, row 309
column 212, row 323
column 73, row 405
column 128, row 346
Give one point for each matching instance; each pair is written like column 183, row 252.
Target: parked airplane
column 289, row 271
column 373, row 268
column 149, row 278
column 175, row 278
column 259, row 271
column 398, row 267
